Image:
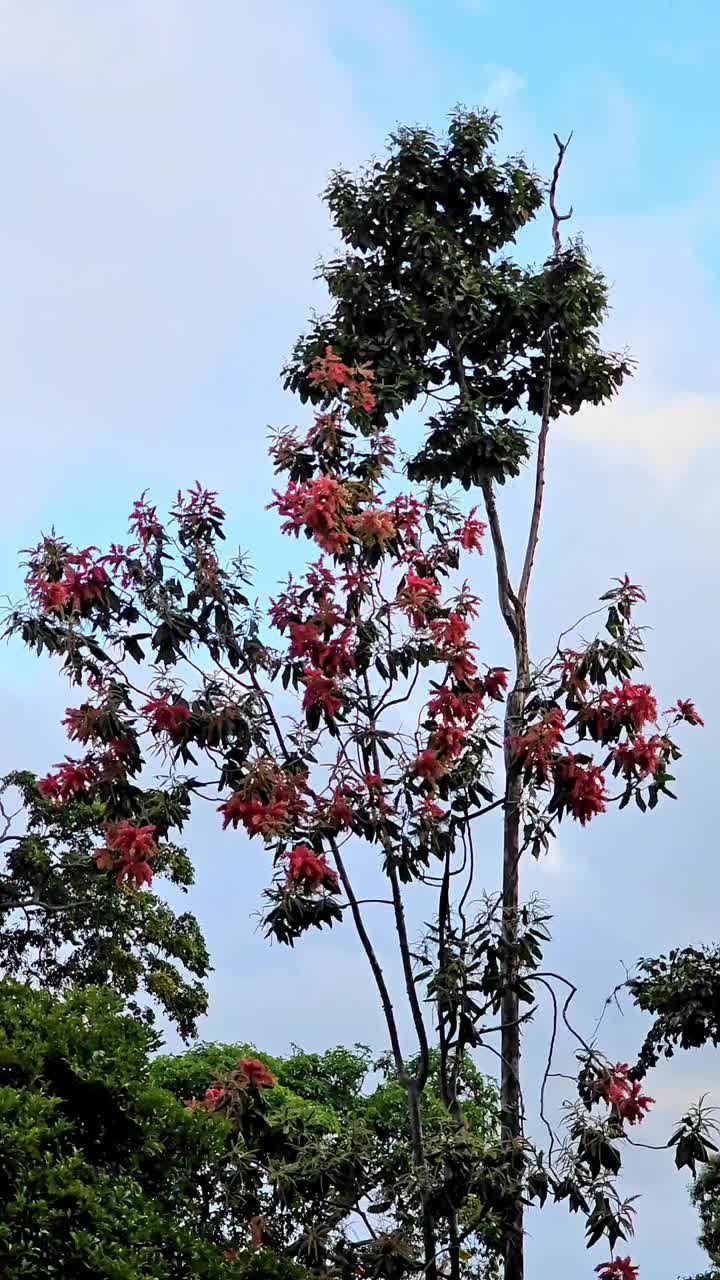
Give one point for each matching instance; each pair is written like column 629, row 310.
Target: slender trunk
column 421, row 1169
column 510, row 1092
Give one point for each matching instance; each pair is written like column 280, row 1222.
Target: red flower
column 310, row 870
column 335, row 658
column 471, row 534
column 536, row 747
column 495, row 683
column 213, row 1095
column 328, row 371
column 53, row 596
column 632, row 704
column 320, row 691
column 167, row 717
column 80, row 722
column 452, row 706
column 71, row 779
column 623, row 1094
column 144, row 522
column 416, row 595
column 305, row 640
column 685, row 710
column 266, row 817
column 580, row 788
column 129, row 851
column 339, row 814
column 618, row 1269
column 257, row 1073
column 374, row 527
column 449, row 633
column 428, row 766
column 321, row 506
column 431, row 811
column 448, row 740
column 640, row 757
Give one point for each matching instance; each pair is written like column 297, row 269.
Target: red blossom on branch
column 128, row 851
column 309, row 870
column 640, row 757
column 685, row 709
column 623, row 1094
column 470, row 534
column 579, row 788
column 259, row 1076
column 166, row 716
column 618, row 1269
column 321, row 692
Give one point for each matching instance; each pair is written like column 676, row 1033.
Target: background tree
column 62, row 925
column 111, row 1170
column 706, row 1196
column 371, row 720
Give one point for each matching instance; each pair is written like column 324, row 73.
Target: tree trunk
column 510, row 1096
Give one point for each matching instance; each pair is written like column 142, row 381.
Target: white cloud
column 665, row 312
column 502, row 84
column 161, row 220
column 664, row 437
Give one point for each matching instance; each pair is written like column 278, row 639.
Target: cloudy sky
column 159, row 229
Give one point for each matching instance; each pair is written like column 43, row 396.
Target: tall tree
column 369, row 723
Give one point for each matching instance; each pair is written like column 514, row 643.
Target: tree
column 371, row 720
column 62, row 925
column 706, row 1196
column 326, row 1170
column 111, row 1169
column 100, row 1166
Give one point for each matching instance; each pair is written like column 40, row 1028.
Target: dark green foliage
column 63, row 923
column 427, row 296
column 107, row 1173
column 682, row 992
column 102, row 1170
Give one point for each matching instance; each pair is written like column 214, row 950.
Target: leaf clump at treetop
column 427, row 296
column 356, row 713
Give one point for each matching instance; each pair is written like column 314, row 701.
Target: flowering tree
column 358, row 716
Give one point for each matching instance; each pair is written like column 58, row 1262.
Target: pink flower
column 685, row 709
column 310, row 870
column 619, row 1269
column 471, row 534
column 259, row 1076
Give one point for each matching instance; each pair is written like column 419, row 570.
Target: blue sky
column 159, row 230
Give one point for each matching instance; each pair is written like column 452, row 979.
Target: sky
column 159, row 232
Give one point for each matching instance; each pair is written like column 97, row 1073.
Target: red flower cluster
column 144, row 522
column 80, row 723
column 686, row 710
column 536, row 748
column 309, row 871
column 416, row 596
column 330, row 374
column 258, row 1075
column 266, row 811
column 628, row 706
column 451, row 637
column 166, row 716
column 618, row 1269
column 320, row 691
column 128, row 852
column 70, row 779
column 374, row 527
column 471, row 533
column 83, row 581
column 321, row 507
column 640, row 757
column 579, row 788
column 623, row 1094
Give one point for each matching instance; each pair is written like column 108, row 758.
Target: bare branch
column 558, row 217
